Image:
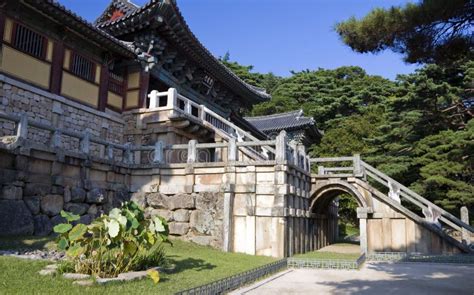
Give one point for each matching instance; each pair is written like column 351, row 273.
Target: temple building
column 133, row 107
column 300, row 129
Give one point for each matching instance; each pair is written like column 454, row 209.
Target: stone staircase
column 402, row 199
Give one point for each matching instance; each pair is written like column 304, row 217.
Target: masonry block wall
column 47, row 108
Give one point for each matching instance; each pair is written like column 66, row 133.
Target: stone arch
column 325, row 191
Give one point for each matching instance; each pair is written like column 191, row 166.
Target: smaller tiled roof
column 125, row 6
column 277, row 122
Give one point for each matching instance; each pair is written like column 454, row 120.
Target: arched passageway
column 326, row 212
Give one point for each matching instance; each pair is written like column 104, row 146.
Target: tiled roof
column 184, row 37
column 277, row 122
column 63, row 15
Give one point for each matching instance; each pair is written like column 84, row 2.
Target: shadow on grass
column 190, row 264
column 26, row 243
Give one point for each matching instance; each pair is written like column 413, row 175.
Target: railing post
column 22, row 127
column 127, row 154
column 109, row 153
column 192, row 151
column 232, row 150
column 56, row 139
column 158, row 157
column 280, row 147
column 320, row 170
column 85, row 143
column 294, row 149
column 357, row 165
column 465, row 235
column 153, row 99
column 172, row 97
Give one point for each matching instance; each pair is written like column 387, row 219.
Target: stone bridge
column 256, row 197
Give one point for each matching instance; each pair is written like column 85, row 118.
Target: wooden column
column 144, row 84
column 103, row 87
column 2, row 25
column 57, row 67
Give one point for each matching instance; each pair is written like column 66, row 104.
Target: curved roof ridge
column 295, row 112
column 193, row 37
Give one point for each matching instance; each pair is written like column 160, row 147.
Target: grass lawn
column 195, row 265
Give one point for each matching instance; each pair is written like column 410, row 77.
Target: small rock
column 47, row 272
column 75, row 276
column 51, row 266
column 96, row 196
column 83, row 283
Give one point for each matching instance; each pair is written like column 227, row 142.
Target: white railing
column 172, row 100
column 355, row 167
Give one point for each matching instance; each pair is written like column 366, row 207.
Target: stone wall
column 34, row 189
column 44, row 107
column 196, row 217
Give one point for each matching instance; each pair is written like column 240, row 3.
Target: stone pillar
column 357, row 165
column 154, row 99
column 158, row 156
column 466, row 236
column 192, row 151
column 362, row 214
column 22, row 127
column 229, row 179
column 232, row 152
column 85, row 143
column 280, row 147
column 172, row 97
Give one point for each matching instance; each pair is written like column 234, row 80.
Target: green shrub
column 122, row 241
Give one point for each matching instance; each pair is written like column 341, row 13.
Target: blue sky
column 276, row 35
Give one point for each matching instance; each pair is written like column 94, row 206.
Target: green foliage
column 112, row 244
column 430, row 31
column 327, row 94
column 348, row 210
column 266, row 81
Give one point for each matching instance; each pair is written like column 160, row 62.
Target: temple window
column 29, row 41
column 116, row 83
column 82, row 67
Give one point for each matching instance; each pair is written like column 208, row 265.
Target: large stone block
column 37, row 189
column 96, row 196
column 76, row 208
column 181, row 215
column 15, row 218
column 166, row 214
column 33, row 203
column 179, row 201
column 179, row 228
column 156, row 200
column 43, row 225
column 78, row 195
column 11, row 192
column 52, row 204
column 202, row 221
